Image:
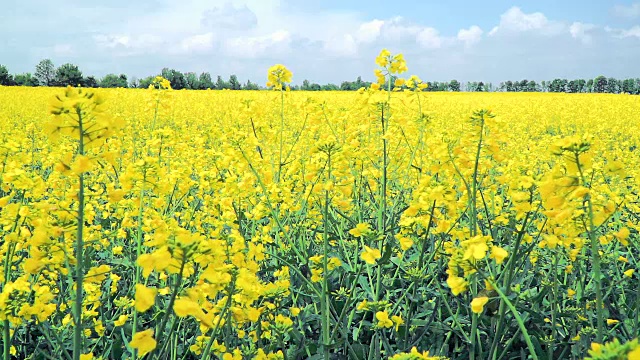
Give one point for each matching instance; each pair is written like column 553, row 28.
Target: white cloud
column 369, row 31
column 471, row 35
column 617, row 33
column 198, row 43
column 429, row 38
column 229, row 16
column 631, row 11
column 581, row 31
column 515, row 20
column 130, row 43
column 276, row 44
column 345, row 45
column 633, row 32
column 63, row 49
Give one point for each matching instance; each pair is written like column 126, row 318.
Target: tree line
column 47, row 74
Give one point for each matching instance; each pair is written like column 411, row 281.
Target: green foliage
column 175, row 77
column 114, row 81
column 5, row 78
column 45, row 73
column 234, row 84
column 68, row 75
column 25, row 80
column 205, row 82
column 454, row 85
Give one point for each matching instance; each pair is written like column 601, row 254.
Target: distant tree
column 556, row 86
column 205, row 81
column 600, row 84
column 589, row 86
column 628, row 86
column 191, row 80
column 330, row 87
column 315, row 87
column 25, row 80
column 572, row 86
column 454, row 85
column 134, row 82
column 114, row 81
column 306, row 86
column 522, row 85
column 612, row 86
column 532, row 86
column 346, row 86
column 234, row 84
column 45, row 73
column 6, row 79
column 543, row 86
column 68, row 75
column 221, row 84
column 479, row 87
column 90, row 82
column 146, row 82
column 509, row 86
column 175, row 77
column 250, row 86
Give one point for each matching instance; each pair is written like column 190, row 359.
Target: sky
column 327, row 41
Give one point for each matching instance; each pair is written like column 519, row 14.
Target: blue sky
column 327, row 41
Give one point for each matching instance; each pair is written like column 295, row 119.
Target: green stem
column 595, row 256
column 138, row 250
column 77, row 336
column 281, row 132
column 516, row 315
column 325, row 253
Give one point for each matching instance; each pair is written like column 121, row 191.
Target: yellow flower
column 457, row 284
column 397, row 320
column 363, row 305
column 383, row 320
column 405, row 243
column 316, row 275
column 499, row 254
column 612, row 321
column 634, row 354
column 333, row 263
column 477, row 304
column 88, row 356
column 294, row 311
column 622, row 235
column 370, row 255
column 122, row 319
column 383, row 58
column 475, row 248
column 278, row 75
column 360, row 229
column 571, row 293
column 629, row 273
column 143, row 342
column 145, row 297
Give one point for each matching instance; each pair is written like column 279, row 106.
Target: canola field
column 337, row 225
